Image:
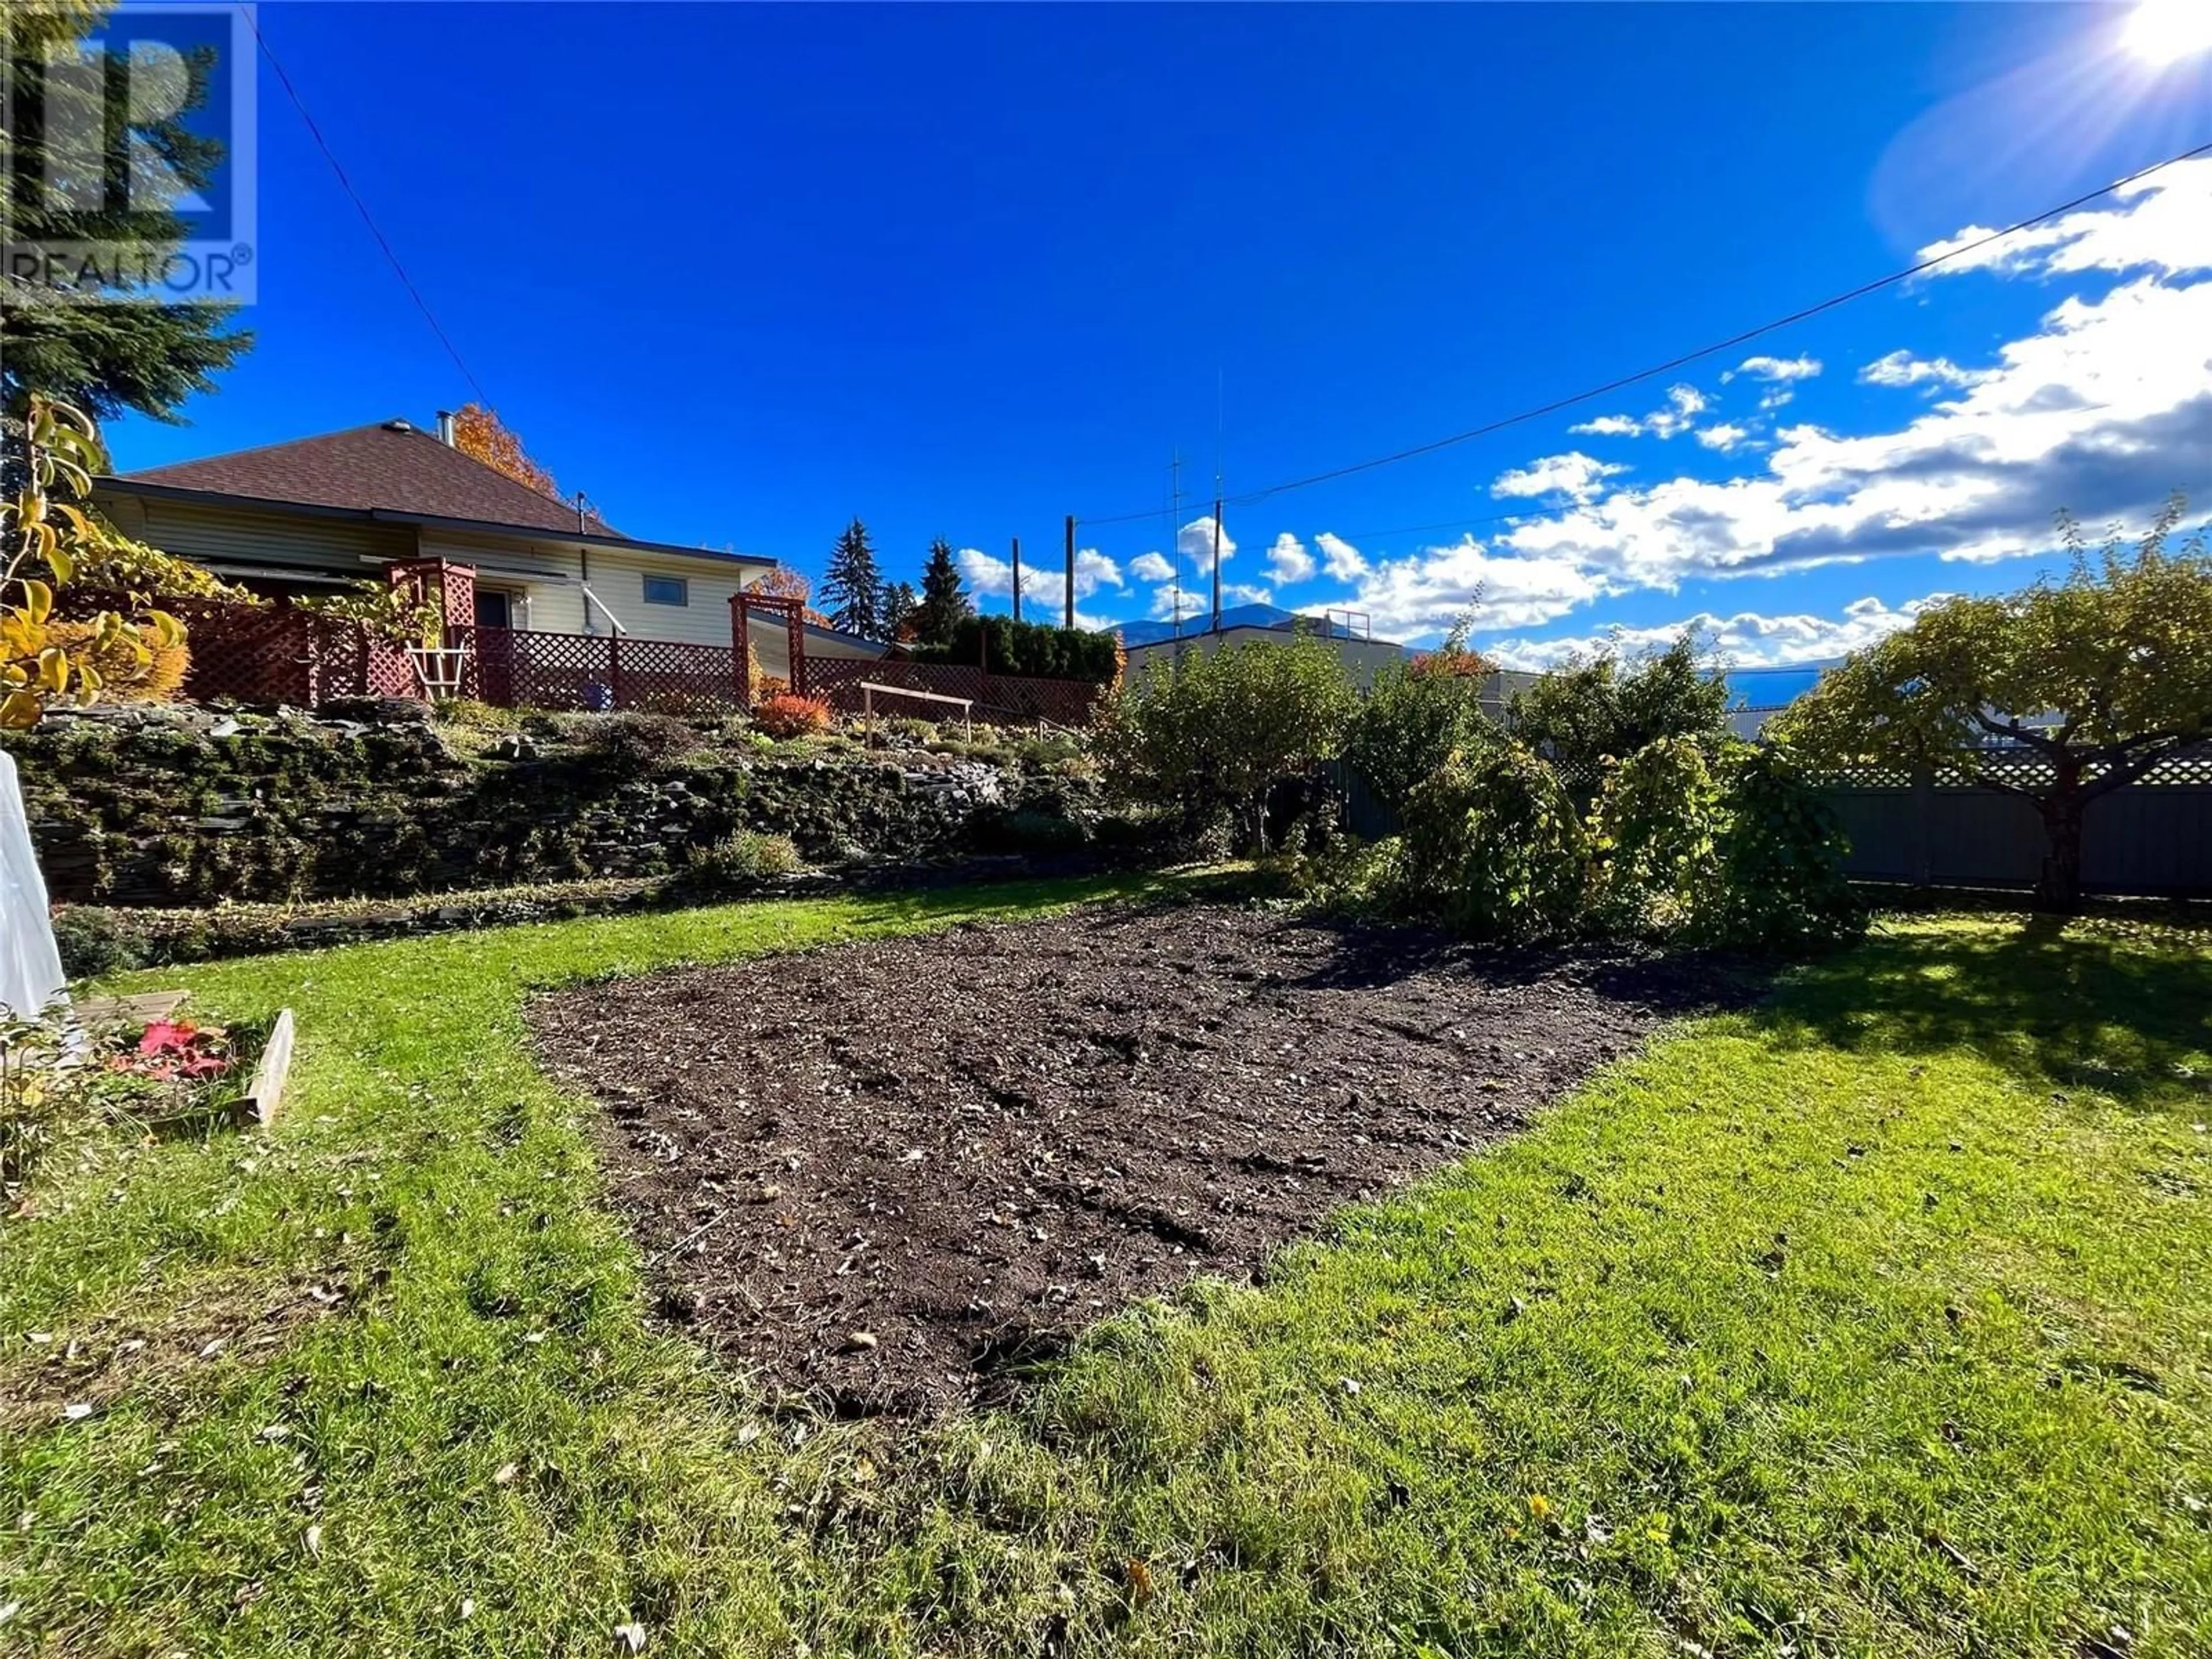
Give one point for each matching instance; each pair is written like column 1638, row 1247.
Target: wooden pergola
column 794, row 612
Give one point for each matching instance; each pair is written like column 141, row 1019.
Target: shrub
column 744, row 859
column 1343, row 876
column 1587, row 708
column 1652, row 832
column 684, row 705
column 471, row 715
column 91, row 943
column 1053, row 754
column 1034, row 829
column 1415, row 715
column 1214, row 730
column 1778, row 882
column 787, row 716
column 151, row 671
column 1494, row 847
column 1032, row 649
column 637, row 742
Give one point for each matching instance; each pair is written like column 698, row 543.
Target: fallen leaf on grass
column 505, row 1473
column 630, row 1638
column 314, row 1541
column 860, row 1341
column 77, row 1411
column 1140, row 1581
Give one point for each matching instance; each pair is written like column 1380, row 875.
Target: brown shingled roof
column 392, row 465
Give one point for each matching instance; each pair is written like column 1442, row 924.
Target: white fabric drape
column 31, row 978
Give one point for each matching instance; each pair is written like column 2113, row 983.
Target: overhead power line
column 362, row 207
column 1684, row 359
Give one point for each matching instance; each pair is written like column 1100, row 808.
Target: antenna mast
column 1217, row 499
column 1175, row 532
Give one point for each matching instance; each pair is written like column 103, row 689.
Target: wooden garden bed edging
column 266, row 1094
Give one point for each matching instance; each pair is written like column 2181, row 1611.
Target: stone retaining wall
column 180, row 806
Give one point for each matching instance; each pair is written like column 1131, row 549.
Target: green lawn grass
column 1877, row 1319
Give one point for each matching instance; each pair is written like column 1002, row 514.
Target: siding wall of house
column 619, row 580
column 224, row 536
column 544, row 577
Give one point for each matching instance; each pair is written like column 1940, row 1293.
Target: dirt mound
column 879, row 1173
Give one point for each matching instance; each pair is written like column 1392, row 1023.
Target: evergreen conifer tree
column 852, row 587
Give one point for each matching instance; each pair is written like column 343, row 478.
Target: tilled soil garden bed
column 886, row 1175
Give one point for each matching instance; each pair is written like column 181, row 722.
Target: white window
column 667, row 590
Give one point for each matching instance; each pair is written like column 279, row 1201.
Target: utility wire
column 1673, row 363
column 362, row 207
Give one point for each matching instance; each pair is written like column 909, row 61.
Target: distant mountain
column 1235, row 615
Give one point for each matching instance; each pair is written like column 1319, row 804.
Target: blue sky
column 742, row 273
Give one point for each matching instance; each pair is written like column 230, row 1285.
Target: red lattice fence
column 271, row 654
column 522, row 668
column 1001, row 698
column 277, row 653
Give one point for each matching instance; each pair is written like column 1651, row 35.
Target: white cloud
column 1574, row 475
column 1194, row 540
column 2159, row 224
column 1774, row 398
column 2095, row 410
column 1045, row 584
column 1724, row 436
column 2102, row 406
column 1152, row 567
column 1776, row 368
column 1288, row 562
column 1683, row 405
column 1746, row 640
column 1344, row 562
column 1428, row 590
column 1901, row 367
column 1688, row 403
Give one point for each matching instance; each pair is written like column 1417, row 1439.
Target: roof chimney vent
column 445, row 427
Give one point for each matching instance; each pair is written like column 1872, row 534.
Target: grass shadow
column 2125, row 1008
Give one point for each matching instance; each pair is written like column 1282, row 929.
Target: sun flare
column 2163, row 31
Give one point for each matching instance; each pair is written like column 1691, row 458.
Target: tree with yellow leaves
column 42, row 658
column 479, row 432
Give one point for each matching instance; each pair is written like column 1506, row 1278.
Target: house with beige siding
column 318, row 514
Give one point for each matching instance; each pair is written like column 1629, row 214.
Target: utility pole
column 1070, row 622
column 1017, row 579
